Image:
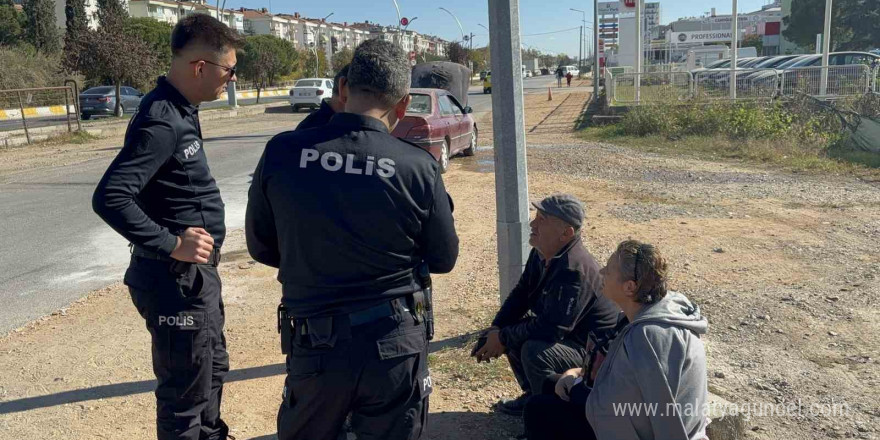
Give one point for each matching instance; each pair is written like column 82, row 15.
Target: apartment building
column 170, row 11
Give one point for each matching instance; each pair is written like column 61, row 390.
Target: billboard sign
column 609, row 8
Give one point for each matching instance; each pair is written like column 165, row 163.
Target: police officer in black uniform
column 354, row 218
column 329, row 107
column 159, row 194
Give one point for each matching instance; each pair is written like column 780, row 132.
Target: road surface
column 56, row 250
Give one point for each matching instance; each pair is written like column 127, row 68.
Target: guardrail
column 830, row 82
column 649, row 88
column 750, row 84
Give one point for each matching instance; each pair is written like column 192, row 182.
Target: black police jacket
column 160, row 184
column 346, row 212
column 565, row 299
column 318, row 118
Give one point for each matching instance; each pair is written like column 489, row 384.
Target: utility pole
column 826, row 47
column 639, row 49
column 508, row 123
column 596, row 50
column 581, row 50
column 733, row 56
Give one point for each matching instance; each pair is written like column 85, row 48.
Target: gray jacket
column 652, row 385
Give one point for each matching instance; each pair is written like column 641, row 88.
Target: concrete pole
column 596, row 49
column 638, row 66
column 733, row 52
column 508, row 123
column 826, row 47
column 230, row 94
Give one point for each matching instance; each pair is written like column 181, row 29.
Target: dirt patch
column 783, row 265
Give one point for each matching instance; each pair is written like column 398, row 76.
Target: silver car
column 101, row 101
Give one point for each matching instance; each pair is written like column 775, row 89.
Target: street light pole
column 456, row 20
column 581, row 50
column 397, row 8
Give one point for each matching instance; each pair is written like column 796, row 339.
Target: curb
column 58, row 110
column 17, row 138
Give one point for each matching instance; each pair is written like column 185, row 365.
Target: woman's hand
column 569, row 379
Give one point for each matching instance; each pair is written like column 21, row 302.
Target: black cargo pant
column 378, row 371
column 184, row 314
column 536, row 359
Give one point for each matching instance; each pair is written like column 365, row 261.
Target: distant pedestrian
column 559, row 77
column 568, row 78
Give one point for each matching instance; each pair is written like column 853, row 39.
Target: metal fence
column 29, row 109
column 827, row 82
column 750, row 84
column 624, row 87
column 656, row 87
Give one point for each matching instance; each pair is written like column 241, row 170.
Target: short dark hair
column 381, row 69
column 205, row 30
column 343, row 72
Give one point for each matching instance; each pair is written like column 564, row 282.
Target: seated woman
column 652, row 384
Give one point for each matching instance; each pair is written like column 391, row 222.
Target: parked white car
column 528, row 73
column 573, row 69
column 309, row 92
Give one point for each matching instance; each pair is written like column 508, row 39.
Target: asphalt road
column 61, row 120
column 56, row 250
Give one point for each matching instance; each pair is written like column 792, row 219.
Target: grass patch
column 75, row 138
column 456, row 364
column 798, row 136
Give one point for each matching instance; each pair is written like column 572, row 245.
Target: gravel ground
column 783, row 265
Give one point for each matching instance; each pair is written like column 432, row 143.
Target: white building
column 61, row 16
column 170, row 11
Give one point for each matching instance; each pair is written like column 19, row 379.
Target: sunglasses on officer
column 231, row 70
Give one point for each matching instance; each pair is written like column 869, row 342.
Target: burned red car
column 437, row 122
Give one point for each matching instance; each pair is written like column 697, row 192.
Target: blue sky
column 536, row 16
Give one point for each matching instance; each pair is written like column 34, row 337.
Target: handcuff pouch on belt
column 319, row 330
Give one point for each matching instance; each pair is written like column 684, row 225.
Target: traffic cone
column 549, row 94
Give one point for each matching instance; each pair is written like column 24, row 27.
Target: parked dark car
column 437, row 122
column 101, row 101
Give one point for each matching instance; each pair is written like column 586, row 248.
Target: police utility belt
column 319, row 332
column 177, row 266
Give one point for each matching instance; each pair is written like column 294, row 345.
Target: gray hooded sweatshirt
column 652, row 385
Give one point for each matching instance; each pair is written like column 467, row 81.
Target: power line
column 554, row 32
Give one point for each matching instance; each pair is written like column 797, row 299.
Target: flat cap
column 565, row 207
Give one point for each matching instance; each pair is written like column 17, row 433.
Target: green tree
column 157, row 35
column 75, row 35
column 480, row 58
column 457, row 53
column 23, row 67
column 111, row 13
column 754, row 40
column 114, row 53
column 808, row 19
column 12, row 23
column 341, row 59
column 41, row 31
column 266, row 58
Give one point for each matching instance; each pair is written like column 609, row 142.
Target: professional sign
column 703, row 36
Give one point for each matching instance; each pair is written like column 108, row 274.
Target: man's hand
column 568, row 380
column 194, row 246
column 493, row 347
